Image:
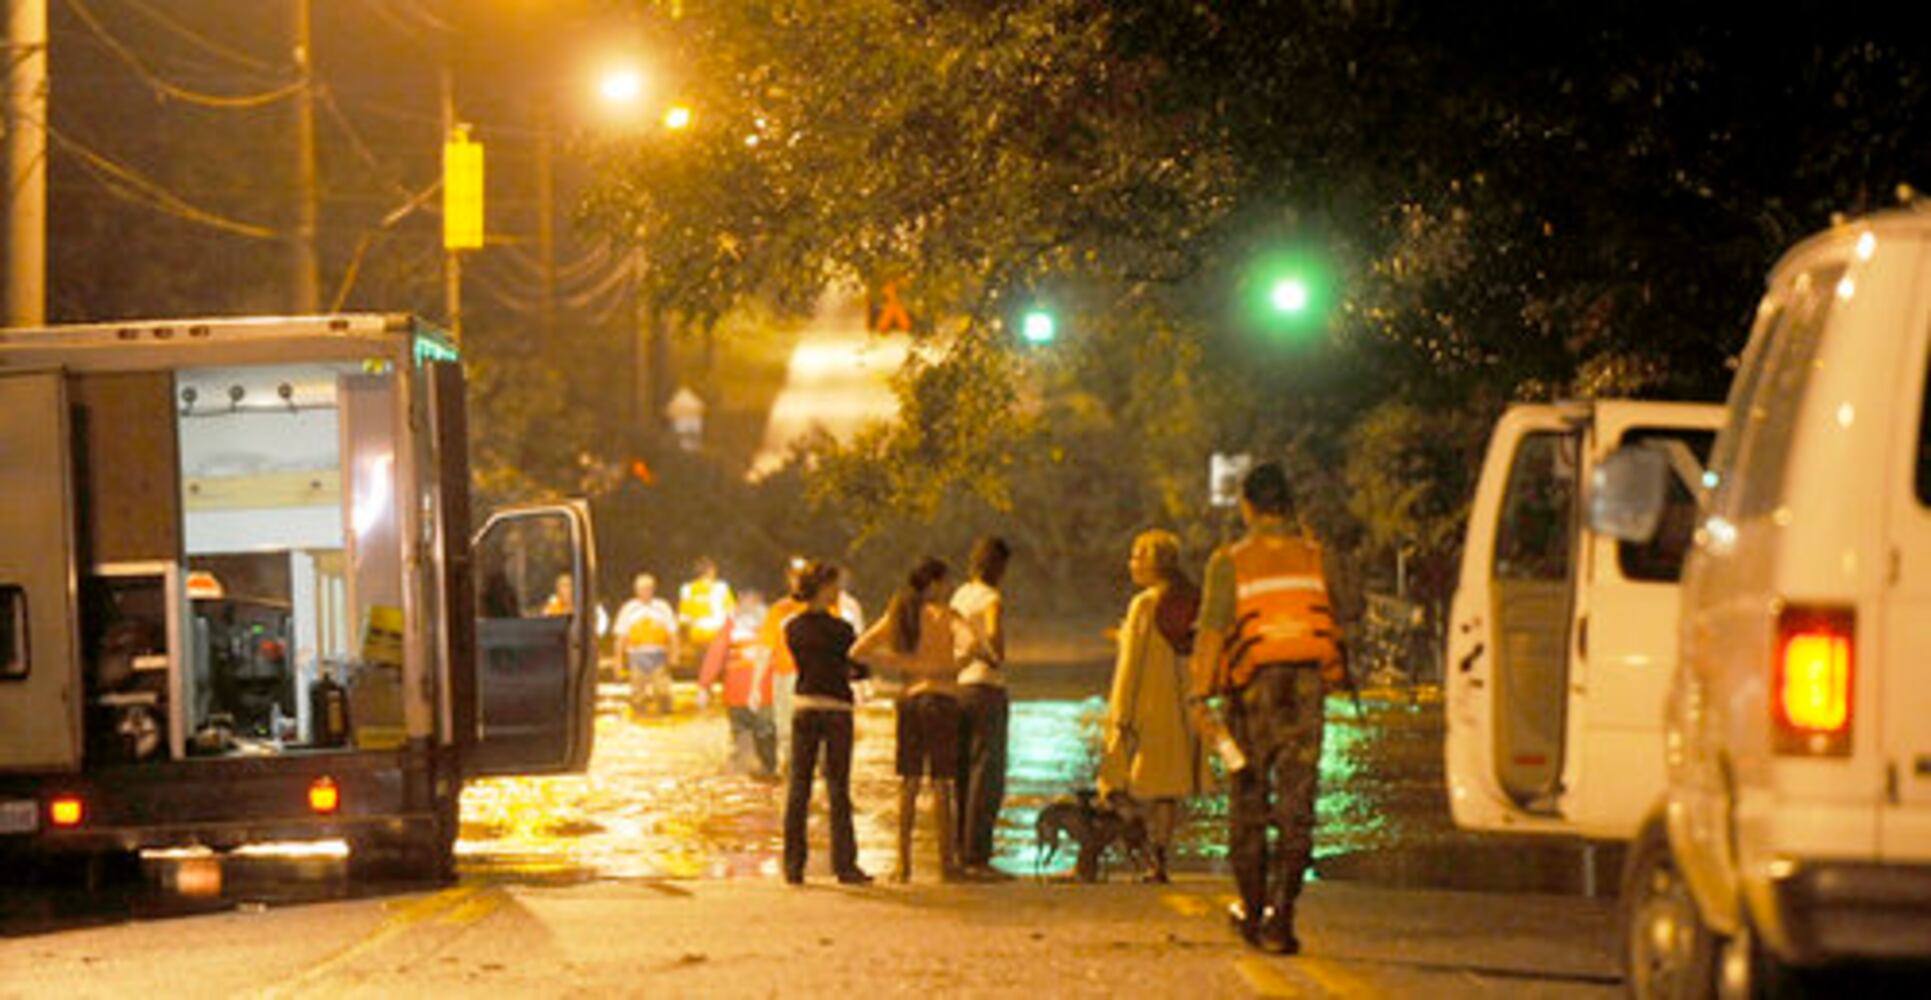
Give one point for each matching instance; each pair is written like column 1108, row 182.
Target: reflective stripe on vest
column 1281, row 609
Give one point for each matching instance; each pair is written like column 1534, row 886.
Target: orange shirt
column 771, row 635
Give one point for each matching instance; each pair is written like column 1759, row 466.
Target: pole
column 546, row 239
column 26, row 158
column 306, row 281
column 452, row 259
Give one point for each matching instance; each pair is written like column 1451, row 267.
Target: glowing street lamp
column 677, row 117
column 622, row 86
column 1038, row 326
column 1289, row 296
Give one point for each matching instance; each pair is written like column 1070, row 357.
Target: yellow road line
column 402, row 917
column 1266, row 979
column 1186, row 905
column 475, row 908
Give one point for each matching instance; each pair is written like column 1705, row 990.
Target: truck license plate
column 19, row 816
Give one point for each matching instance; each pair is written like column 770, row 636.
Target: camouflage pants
column 1276, row 720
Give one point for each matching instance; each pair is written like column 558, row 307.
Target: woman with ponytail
column 922, row 637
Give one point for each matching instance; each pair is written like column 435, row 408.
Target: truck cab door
column 535, row 641
column 1509, row 625
column 40, row 688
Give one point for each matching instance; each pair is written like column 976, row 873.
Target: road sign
column 891, row 315
column 462, row 192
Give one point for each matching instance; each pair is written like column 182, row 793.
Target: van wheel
column 1668, row 952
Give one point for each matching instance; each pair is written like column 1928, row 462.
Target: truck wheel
column 1668, row 952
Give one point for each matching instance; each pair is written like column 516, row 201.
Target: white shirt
column 976, row 603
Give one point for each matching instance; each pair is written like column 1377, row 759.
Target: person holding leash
column 1265, row 644
column 984, row 709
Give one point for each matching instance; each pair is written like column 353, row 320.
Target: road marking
column 1265, row 978
column 402, row 917
column 1333, row 979
column 1186, row 905
column 475, row 908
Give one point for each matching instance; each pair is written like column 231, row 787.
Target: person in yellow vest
column 1265, row 649
column 647, row 644
column 703, row 606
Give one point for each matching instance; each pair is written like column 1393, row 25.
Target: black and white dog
column 1095, row 826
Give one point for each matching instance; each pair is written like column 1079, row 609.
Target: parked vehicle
column 345, row 658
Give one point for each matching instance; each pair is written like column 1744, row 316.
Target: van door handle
column 1582, row 638
column 1468, row 662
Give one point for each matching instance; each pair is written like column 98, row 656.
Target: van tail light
column 66, row 810
column 1811, row 701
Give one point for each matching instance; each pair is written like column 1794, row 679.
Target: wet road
column 661, row 860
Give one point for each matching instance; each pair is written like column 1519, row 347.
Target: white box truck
column 240, row 599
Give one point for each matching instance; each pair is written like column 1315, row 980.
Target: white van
column 1561, row 640
column 1794, row 826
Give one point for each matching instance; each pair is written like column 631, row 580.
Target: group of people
column 1239, row 665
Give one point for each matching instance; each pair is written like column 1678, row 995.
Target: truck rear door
column 1509, row 626
column 40, row 694
column 535, row 641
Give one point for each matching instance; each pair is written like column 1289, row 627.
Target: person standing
column 1153, row 754
column 921, row 636
column 703, row 606
column 820, row 644
column 1266, row 645
column 647, row 644
column 983, row 708
column 737, row 658
column 784, row 671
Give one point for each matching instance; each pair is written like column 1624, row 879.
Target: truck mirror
column 1627, row 493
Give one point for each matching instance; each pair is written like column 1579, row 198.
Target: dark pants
column 984, row 709
column 1276, row 720
column 753, row 731
column 812, row 729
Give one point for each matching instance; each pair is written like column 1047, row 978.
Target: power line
column 131, row 185
column 166, row 88
column 201, row 41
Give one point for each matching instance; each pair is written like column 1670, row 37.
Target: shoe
column 902, row 875
column 1249, row 930
column 1278, row 941
column 794, row 878
column 854, row 877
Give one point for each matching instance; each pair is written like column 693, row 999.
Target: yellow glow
column 1846, row 288
column 66, row 811
column 323, row 796
column 678, row 117
column 1866, row 246
column 1816, row 681
column 623, row 86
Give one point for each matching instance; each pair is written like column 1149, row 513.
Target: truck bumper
column 227, row 802
column 1827, row 910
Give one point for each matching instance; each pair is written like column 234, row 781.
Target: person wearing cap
column 1265, row 649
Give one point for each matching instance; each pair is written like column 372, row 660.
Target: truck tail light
column 66, row 810
column 323, row 797
column 1811, row 682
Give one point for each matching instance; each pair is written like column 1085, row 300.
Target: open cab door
column 1509, row 626
column 535, row 641
column 40, row 696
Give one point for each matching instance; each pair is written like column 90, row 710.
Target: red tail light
column 67, row 810
column 1811, row 697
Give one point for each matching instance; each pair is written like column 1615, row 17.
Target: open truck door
column 1509, row 626
column 40, row 696
column 536, row 669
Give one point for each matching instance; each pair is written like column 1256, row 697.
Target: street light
column 1289, row 296
column 1038, row 326
column 677, row 117
column 622, row 86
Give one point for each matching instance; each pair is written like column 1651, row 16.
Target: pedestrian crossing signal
column 889, row 314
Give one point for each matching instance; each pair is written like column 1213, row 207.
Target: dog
column 1095, row 826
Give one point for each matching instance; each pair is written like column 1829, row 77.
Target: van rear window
column 13, row 633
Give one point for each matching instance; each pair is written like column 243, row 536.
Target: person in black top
column 820, row 643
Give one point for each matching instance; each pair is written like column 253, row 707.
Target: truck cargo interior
column 259, row 612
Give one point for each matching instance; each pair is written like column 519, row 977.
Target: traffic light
column 1038, row 326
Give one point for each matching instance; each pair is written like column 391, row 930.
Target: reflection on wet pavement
column 658, row 802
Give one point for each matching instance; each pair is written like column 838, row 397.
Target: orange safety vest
column 1281, row 608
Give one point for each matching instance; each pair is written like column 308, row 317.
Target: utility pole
column 305, row 270
column 452, row 259
column 26, row 158
column 546, row 236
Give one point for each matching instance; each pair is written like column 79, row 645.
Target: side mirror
column 1627, row 493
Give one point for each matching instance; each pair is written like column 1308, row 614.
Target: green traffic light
column 1038, row 327
column 1289, row 296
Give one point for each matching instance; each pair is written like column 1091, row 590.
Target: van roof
column 1911, row 222
column 167, row 343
